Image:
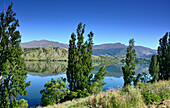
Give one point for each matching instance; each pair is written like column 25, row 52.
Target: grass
column 142, row 96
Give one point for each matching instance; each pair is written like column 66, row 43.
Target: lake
column 41, row 72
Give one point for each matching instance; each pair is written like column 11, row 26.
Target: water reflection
column 46, row 68
column 43, row 69
column 41, row 72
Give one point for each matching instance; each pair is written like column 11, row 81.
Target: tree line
column 159, row 68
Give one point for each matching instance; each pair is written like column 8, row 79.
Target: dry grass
column 130, row 97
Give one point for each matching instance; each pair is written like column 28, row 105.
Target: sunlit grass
column 141, row 96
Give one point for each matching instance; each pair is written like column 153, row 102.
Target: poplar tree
column 79, row 71
column 154, row 68
column 72, row 61
column 12, row 68
column 81, row 54
column 128, row 69
column 164, row 57
column 168, row 59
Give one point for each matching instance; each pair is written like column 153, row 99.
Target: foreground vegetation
column 143, row 95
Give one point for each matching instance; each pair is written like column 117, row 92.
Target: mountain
column 111, row 49
column 42, row 43
column 140, row 51
column 144, row 51
column 109, row 46
column 118, row 49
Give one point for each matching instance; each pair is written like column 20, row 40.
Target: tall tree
column 79, row 71
column 154, row 68
column 163, row 57
column 72, row 61
column 12, row 68
column 128, row 69
column 81, row 54
column 168, row 59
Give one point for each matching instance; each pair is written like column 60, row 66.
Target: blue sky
column 111, row 20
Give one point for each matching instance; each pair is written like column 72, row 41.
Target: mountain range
column 111, row 49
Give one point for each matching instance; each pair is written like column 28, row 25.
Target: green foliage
column 19, row 104
column 137, row 79
column 54, row 92
column 155, row 93
column 164, row 57
column 98, row 83
column 128, row 69
column 154, row 68
column 79, row 71
column 12, row 67
column 78, row 94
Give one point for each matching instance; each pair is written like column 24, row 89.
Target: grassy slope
column 141, row 96
column 56, row 53
column 44, row 53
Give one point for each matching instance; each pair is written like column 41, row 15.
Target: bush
column 155, row 93
column 54, row 92
column 20, row 104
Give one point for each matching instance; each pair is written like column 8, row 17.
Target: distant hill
column 45, row 53
column 42, row 43
column 56, row 53
column 111, row 49
column 109, row 46
column 118, row 49
column 144, row 51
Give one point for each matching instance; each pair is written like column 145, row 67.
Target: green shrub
column 54, row 92
column 155, row 93
column 20, row 104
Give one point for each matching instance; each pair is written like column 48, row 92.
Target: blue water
column 37, row 83
column 114, row 80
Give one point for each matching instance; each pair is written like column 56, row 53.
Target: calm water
column 41, row 72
